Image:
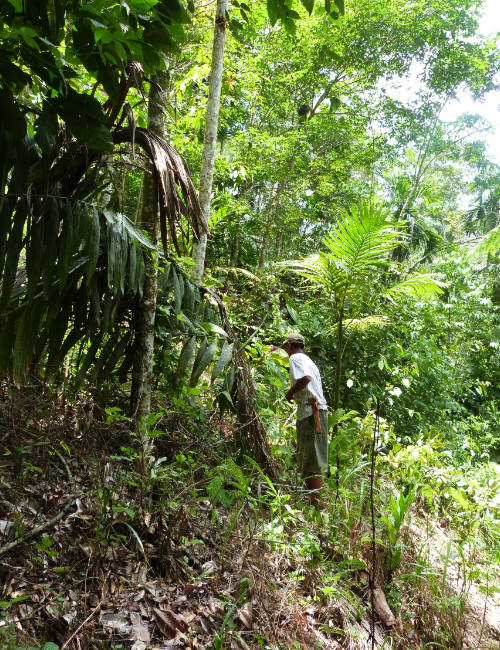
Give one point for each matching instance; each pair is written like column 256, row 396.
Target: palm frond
column 176, row 194
column 490, row 243
column 420, row 285
column 362, row 324
column 359, row 243
column 362, row 239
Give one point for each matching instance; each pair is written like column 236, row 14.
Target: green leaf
column 35, row 256
column 225, row 356
column 25, row 339
column 87, row 121
column 50, row 232
column 308, row 5
column 94, row 135
column 46, row 126
column 202, row 360
column 340, row 6
column 188, row 301
column 65, row 244
column 212, row 327
column 7, row 332
column 272, row 11
column 460, row 497
column 93, row 244
column 419, row 285
column 136, row 234
column 185, row 356
column 13, row 120
column 109, row 78
column 50, row 646
column 290, row 25
column 178, row 284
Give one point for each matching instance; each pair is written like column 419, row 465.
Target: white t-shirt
column 302, row 366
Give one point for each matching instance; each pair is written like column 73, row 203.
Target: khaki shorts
column 312, row 447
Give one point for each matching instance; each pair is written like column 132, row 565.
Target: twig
column 483, row 620
column 24, row 538
column 65, row 464
column 98, row 606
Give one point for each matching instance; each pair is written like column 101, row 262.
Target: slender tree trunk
column 271, row 210
column 145, row 316
column 209, row 145
column 338, row 369
column 235, row 247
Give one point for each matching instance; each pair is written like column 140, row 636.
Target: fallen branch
column 39, row 529
column 64, row 463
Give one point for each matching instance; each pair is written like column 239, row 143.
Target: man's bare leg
column 314, row 484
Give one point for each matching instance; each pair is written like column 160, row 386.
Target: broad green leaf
column 185, row 356
column 225, row 356
column 50, row 232
column 65, row 244
column 25, row 338
column 212, row 327
column 178, row 284
column 7, row 332
column 308, row 5
column 203, row 359
column 188, row 301
column 46, row 126
column 272, row 11
column 93, row 244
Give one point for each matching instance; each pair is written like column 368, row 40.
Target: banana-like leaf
column 93, row 244
column 178, row 283
column 203, row 359
column 50, row 232
column 7, row 331
column 188, row 300
column 65, row 244
column 186, row 323
column 165, row 277
column 224, row 358
column 185, row 357
column 212, row 327
column 25, row 338
column 225, row 397
column 132, row 230
column 35, row 256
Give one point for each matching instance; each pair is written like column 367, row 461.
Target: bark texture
column 146, row 310
column 210, row 142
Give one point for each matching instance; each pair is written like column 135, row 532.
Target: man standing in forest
column 312, row 415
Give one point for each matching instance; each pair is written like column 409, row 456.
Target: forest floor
column 199, row 558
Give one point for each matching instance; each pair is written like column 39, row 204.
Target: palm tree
column 348, row 274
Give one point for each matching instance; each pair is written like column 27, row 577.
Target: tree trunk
column 271, row 209
column 145, row 316
column 235, row 247
column 209, row 145
column 338, row 369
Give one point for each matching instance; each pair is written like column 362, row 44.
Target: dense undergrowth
column 207, row 551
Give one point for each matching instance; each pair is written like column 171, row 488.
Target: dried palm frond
column 175, row 193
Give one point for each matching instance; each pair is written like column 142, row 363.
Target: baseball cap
column 295, row 337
